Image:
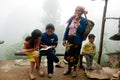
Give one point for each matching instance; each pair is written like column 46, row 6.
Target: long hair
column 34, row 36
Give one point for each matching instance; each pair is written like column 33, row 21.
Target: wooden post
column 102, row 32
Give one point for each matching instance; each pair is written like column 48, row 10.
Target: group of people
column 72, row 40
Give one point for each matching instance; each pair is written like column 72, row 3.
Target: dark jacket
column 80, row 30
column 49, row 40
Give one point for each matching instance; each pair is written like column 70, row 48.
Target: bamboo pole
column 102, row 32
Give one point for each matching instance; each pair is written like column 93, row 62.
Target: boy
column 50, row 39
column 89, row 50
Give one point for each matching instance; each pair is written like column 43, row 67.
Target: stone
column 1, row 42
column 115, row 75
column 113, row 79
column 110, row 71
column 97, row 74
column 95, row 64
column 21, row 62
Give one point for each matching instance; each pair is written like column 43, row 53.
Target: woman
column 30, row 48
column 73, row 38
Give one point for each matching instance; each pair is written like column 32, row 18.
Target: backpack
column 89, row 27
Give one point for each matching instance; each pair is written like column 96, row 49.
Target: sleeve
column 67, row 30
column 83, row 25
column 42, row 40
column 66, row 33
column 56, row 40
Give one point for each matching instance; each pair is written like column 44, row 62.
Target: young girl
column 30, row 48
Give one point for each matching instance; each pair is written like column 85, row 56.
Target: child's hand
column 44, row 46
column 53, row 46
column 23, row 51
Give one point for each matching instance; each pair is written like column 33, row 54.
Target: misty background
column 18, row 18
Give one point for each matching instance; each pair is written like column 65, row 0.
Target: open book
column 45, row 49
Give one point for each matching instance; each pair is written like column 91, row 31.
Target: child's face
column 91, row 39
column 49, row 32
column 39, row 39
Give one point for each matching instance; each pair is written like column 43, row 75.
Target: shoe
column 50, row 75
column 67, row 72
column 74, row 74
column 32, row 77
column 88, row 68
column 59, row 66
column 91, row 68
column 41, row 73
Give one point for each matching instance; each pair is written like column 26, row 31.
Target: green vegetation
column 10, row 51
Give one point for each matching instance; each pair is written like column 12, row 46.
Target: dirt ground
column 10, row 71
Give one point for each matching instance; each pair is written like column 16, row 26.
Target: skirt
column 31, row 55
column 72, row 51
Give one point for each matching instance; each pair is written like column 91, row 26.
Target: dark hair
column 91, row 36
column 34, row 35
column 28, row 38
column 50, row 26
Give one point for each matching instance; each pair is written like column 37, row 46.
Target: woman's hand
column 64, row 42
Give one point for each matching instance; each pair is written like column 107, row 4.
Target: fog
column 19, row 17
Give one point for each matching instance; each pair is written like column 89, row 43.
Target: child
column 49, row 38
column 30, row 48
column 89, row 50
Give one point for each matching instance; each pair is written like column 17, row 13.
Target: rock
column 97, row 74
column 115, row 75
column 95, row 64
column 44, row 62
column 21, row 62
column 110, row 71
column 113, row 79
column 1, row 42
column 119, row 74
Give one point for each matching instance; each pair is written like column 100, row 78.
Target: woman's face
column 78, row 12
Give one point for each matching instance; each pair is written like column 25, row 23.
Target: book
column 45, row 49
